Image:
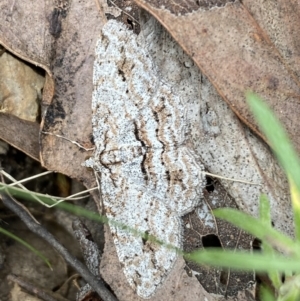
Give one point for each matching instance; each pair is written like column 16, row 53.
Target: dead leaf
column 69, row 114
column 22, row 134
column 202, row 231
column 24, row 31
column 21, row 88
column 236, row 54
column 280, row 20
column 18, row 294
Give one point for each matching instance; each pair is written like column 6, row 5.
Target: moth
column 149, row 176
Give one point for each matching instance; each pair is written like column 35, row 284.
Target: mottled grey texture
column 149, row 177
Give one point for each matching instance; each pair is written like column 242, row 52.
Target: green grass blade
column 244, row 260
column 289, row 291
column 295, row 196
column 281, row 146
column 28, row 246
column 264, row 210
column 276, row 136
column 30, row 196
column 79, row 211
column 259, row 229
column 265, row 217
column 265, row 294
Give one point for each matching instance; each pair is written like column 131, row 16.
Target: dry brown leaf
column 202, row 230
column 60, row 38
column 20, row 88
column 69, row 114
column 236, row 54
column 280, row 20
column 24, row 31
column 22, row 134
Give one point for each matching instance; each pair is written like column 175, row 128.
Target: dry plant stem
column 18, row 183
column 21, row 205
column 35, row 290
column 24, row 180
column 58, row 200
column 97, row 284
column 230, row 179
column 72, row 141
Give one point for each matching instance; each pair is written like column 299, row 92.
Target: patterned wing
column 149, row 177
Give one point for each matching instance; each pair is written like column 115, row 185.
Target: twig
column 35, row 290
column 67, row 139
column 29, row 213
column 57, row 200
column 97, row 284
column 230, row 179
column 24, row 180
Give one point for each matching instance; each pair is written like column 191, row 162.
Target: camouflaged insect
column 148, row 176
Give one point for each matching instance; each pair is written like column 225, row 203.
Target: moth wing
column 145, row 263
column 186, row 179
